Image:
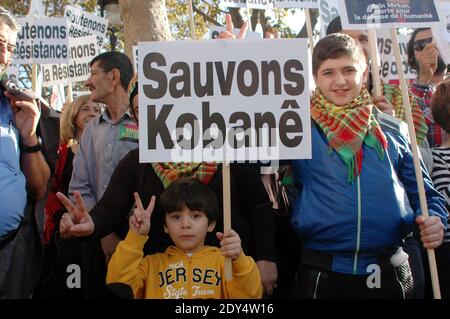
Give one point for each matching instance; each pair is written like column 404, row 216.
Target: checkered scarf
column 170, row 172
column 347, row 127
column 394, row 95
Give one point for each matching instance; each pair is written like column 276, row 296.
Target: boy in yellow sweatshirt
column 189, row 269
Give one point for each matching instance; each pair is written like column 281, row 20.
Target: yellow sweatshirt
column 173, row 274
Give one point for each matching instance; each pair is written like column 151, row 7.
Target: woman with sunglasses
column 424, row 58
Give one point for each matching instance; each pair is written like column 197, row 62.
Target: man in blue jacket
column 350, row 210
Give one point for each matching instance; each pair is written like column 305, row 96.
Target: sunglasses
column 419, row 45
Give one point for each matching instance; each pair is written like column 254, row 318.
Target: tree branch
column 205, row 16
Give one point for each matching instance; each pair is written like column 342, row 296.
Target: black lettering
column 207, row 88
column 245, row 127
column 169, row 279
column 260, row 120
column 394, row 68
column 388, row 46
column 208, row 120
column 290, row 104
column 91, row 49
column 184, row 79
column 225, row 82
column 286, row 128
column 158, row 125
column 294, row 77
column 266, row 69
column 384, row 70
column 181, row 272
column 155, row 75
column 380, row 44
column 196, row 275
column 403, row 47
column 248, row 65
column 326, row 17
column 208, row 275
column 62, row 32
column 192, row 121
column 161, row 279
column 218, row 278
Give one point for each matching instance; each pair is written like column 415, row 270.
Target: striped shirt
column 441, row 178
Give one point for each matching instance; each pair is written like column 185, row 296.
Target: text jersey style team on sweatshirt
column 173, row 274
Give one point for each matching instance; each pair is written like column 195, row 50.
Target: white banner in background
column 82, row 23
column 82, row 51
column 388, row 67
column 329, row 10
column 42, row 40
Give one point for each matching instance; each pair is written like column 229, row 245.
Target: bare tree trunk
column 143, row 20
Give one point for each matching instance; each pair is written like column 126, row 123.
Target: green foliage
column 52, row 7
column 206, row 13
column 179, row 21
column 17, row 7
column 279, row 22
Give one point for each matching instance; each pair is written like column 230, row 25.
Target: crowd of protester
column 310, row 228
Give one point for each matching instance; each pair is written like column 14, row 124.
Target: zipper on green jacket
column 358, row 226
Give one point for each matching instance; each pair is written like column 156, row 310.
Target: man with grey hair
column 23, row 176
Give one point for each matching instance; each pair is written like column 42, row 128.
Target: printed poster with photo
column 364, row 14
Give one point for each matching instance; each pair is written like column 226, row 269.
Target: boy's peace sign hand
column 140, row 220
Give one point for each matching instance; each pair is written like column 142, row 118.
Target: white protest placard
column 42, row 40
column 215, row 30
column 388, row 66
column 328, row 10
column 311, row 4
column 252, row 4
column 363, row 14
column 441, row 34
column 82, row 51
column 82, row 23
column 223, row 100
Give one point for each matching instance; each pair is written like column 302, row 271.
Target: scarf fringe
column 348, row 127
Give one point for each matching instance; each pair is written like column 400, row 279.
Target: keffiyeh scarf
column 394, row 95
column 170, row 172
column 347, row 127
